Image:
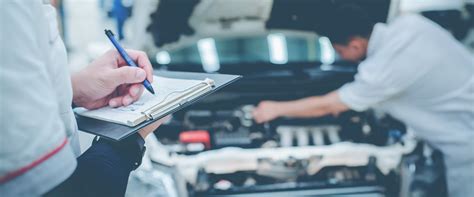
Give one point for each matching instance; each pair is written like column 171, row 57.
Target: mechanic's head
column 349, row 30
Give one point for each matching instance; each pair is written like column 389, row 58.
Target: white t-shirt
column 430, row 5
column 417, row 72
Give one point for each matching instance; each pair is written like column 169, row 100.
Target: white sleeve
column 28, row 107
column 389, row 71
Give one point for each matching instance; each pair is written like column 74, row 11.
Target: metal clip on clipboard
column 191, row 93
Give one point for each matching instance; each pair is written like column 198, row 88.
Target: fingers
column 144, row 132
column 136, row 91
column 258, row 115
column 264, row 112
column 127, row 96
column 164, row 119
column 141, row 59
column 260, row 119
column 121, row 101
column 126, row 75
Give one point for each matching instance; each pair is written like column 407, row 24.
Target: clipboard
column 117, row 132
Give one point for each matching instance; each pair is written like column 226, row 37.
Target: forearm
column 306, row 107
column 315, row 106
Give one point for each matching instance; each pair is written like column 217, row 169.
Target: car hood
column 174, row 19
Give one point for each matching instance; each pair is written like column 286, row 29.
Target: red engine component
column 197, row 136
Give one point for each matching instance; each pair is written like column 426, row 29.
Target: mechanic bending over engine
column 412, row 69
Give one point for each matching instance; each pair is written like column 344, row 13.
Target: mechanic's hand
column 152, row 127
column 109, row 81
column 266, row 111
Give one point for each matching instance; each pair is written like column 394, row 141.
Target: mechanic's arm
column 379, row 78
column 315, row 106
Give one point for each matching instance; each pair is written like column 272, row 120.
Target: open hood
column 204, row 18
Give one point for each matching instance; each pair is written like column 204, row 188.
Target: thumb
column 127, row 75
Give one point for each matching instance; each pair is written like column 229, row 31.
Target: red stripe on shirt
column 25, row 169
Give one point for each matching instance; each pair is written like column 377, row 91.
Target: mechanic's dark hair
column 346, row 22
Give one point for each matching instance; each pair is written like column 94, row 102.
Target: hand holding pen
column 127, row 58
column 108, row 80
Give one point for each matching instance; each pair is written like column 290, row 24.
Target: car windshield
column 272, row 48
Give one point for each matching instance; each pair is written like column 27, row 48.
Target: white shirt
column 35, row 100
column 417, row 72
column 431, row 5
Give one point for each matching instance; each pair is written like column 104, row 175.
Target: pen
column 126, row 57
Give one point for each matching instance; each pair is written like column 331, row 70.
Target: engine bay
column 214, row 148
column 225, row 153
column 215, row 129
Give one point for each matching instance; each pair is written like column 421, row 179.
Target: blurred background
column 275, row 45
column 83, row 22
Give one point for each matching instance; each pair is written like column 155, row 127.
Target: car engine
column 225, row 153
column 214, row 147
